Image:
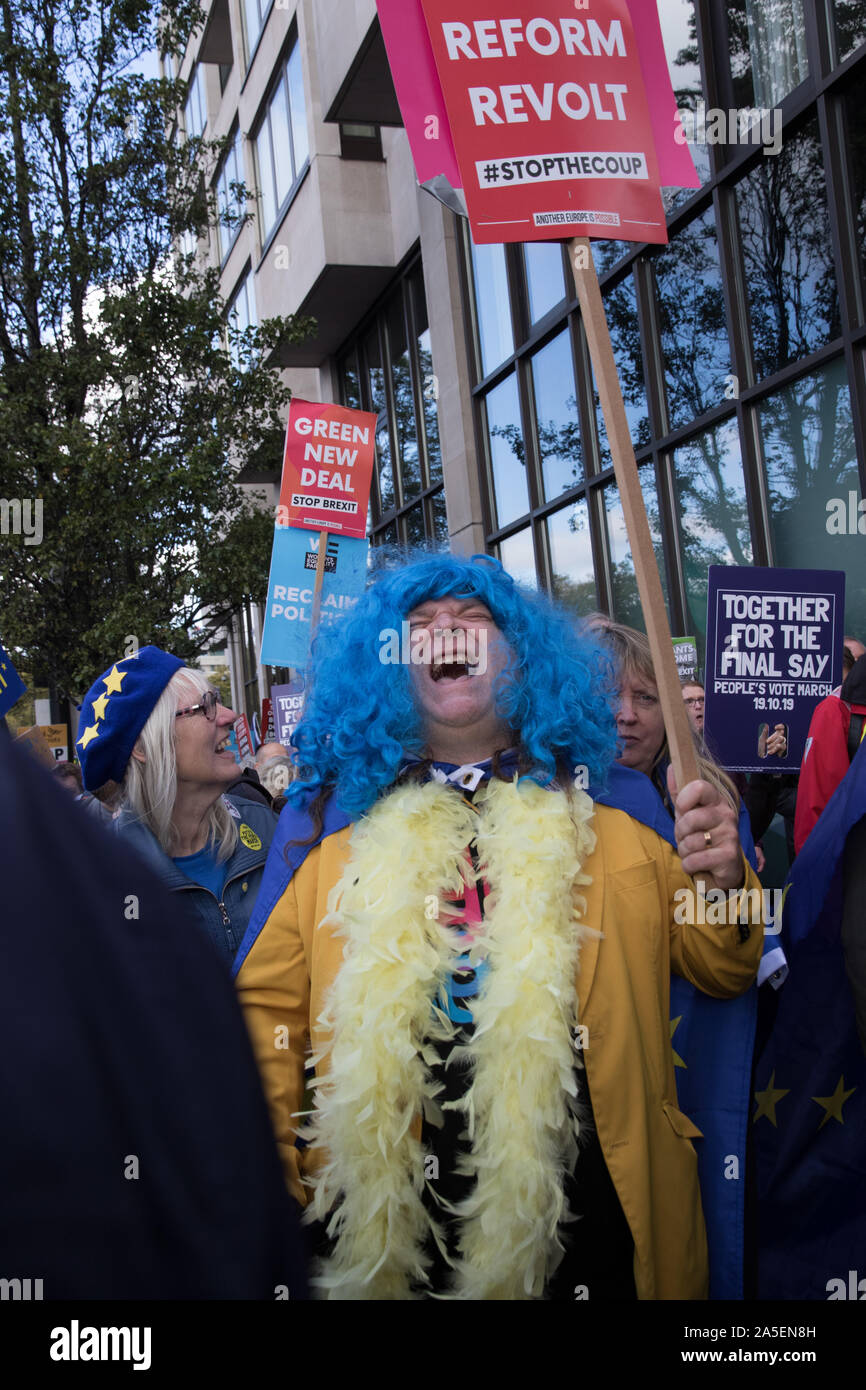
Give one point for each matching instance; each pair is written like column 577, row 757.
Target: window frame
column 279, row 78
column 235, row 150
column 821, row 97
column 196, row 87
column 243, row 285
column 395, row 518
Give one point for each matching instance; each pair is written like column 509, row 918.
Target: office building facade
column 741, row 344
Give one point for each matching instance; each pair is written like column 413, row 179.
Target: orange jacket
column 623, row 986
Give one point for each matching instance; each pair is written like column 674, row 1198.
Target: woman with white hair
column 156, row 727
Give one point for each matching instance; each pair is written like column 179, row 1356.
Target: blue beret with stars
column 116, row 708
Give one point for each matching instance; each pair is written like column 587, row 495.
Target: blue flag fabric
column 713, row 1039
column 12, row 686
column 810, row 1113
column 713, row 1042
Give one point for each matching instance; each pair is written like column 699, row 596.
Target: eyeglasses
column 696, row 700
column 207, row 707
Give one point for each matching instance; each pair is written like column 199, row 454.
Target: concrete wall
column 346, row 213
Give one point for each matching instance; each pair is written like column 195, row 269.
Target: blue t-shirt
column 203, row 869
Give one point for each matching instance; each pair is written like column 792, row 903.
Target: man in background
column 835, row 733
column 693, row 698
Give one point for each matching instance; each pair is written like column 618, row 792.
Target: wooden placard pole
column 320, row 579
column 649, row 585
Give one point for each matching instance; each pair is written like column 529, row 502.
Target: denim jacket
column 224, row 921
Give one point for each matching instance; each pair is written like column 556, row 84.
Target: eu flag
column 809, row 1118
column 12, row 686
column 713, row 1042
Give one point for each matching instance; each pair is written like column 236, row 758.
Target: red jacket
column 825, row 762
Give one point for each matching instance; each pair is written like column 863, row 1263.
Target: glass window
column 811, row 460
column 253, row 14
column 545, row 282
column 195, row 110
column 404, row 401
column 265, row 166
column 230, row 201
column 378, row 404
column 440, row 516
column 429, row 382
column 507, row 451
column 626, row 603
column 679, row 32
column 855, row 130
column 571, row 557
column 556, row 416
column 351, row 385
column 788, row 254
column 389, row 371
column 241, row 316
column 692, row 321
column 621, row 309
column 711, row 504
column 492, row 306
column 281, row 157
column 607, row 253
column 414, row 522
column 281, row 142
column 850, row 16
column 767, row 44
column 297, row 107
column 517, row 556
column 188, row 243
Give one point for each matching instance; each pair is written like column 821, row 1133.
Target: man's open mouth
column 451, row 670
column 223, row 744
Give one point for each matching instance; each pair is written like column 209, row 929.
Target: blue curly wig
column 360, row 720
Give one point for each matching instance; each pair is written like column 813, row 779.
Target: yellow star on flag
column 768, row 1100
column 678, row 1061
column 99, row 706
column 833, row 1104
column 91, row 733
column 113, row 680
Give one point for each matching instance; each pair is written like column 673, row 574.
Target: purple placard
column 286, row 704
column 774, row 650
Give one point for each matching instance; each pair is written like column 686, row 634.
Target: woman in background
column 156, row 727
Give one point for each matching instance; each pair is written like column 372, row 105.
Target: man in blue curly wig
column 478, row 953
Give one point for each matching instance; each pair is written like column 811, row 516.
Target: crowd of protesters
column 451, row 783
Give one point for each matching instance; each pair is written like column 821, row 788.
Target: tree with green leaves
column 127, row 401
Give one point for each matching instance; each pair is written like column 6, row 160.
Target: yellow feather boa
column 520, row 1111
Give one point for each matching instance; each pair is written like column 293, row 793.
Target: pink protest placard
column 549, row 118
column 418, row 91
column 327, row 468
column 676, row 166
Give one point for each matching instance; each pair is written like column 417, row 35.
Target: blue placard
column 12, row 686
column 286, row 638
column 774, row 650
